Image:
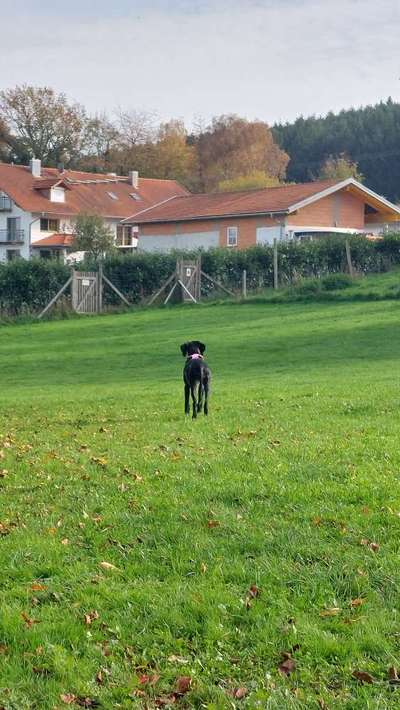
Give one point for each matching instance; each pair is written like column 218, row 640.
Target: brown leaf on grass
column 108, row 566
column 374, row 546
column 28, row 621
column 333, row 611
column 252, row 594
column 287, row 666
column 203, row 568
column 92, row 616
column 213, row 523
column 3, row 472
column 183, row 684
column 65, row 541
column 38, row 587
column 3, row 649
column 148, row 679
column 393, row 676
column 68, row 698
column 99, row 678
column 363, row 677
column 357, row 602
column 239, row 693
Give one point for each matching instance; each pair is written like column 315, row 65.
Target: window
column 49, row 225
column 124, row 236
column 112, row 195
column 13, row 254
column 57, row 194
column 231, row 236
column 135, row 196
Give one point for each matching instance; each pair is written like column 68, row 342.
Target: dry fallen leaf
column 108, row 565
column 92, row 616
column 363, row 677
column 333, row 611
column 393, row 676
column 68, row 698
column 240, row 693
column 28, row 621
column 148, row 679
column 357, row 602
column 213, row 523
column 177, row 659
column 183, row 684
column 203, row 568
column 287, row 666
column 38, row 587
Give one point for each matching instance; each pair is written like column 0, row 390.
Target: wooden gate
column 86, row 292
column 189, row 274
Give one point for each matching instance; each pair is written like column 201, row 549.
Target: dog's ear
column 202, row 347
column 184, row 349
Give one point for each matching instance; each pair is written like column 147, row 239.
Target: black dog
column 196, row 376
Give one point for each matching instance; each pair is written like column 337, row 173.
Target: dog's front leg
column 187, row 404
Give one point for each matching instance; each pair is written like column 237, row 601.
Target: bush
column 27, row 286
column 335, row 282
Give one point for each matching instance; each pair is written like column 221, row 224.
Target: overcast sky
column 266, row 59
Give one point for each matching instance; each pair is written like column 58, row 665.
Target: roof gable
column 87, row 192
column 281, row 200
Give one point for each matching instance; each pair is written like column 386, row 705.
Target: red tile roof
column 88, row 192
column 55, row 240
column 222, row 204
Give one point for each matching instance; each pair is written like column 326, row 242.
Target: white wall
column 266, row 235
column 168, row 242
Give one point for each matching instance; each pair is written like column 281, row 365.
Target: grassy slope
column 298, row 462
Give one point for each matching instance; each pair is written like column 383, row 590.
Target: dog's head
column 194, row 347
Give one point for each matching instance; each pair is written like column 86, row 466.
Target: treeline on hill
column 27, row 286
column 369, row 137
column 228, row 153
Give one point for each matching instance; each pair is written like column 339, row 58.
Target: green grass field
column 270, row 528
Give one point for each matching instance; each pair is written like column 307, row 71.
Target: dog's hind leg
column 206, row 393
column 200, row 397
column 187, row 404
column 194, row 403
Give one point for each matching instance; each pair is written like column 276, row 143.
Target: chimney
column 134, row 178
column 36, row 167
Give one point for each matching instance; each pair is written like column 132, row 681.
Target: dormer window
column 112, row 195
column 57, row 194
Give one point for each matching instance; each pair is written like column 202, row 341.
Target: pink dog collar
column 196, row 356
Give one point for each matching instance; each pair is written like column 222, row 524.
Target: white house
column 38, row 206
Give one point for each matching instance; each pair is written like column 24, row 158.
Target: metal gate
column 86, row 292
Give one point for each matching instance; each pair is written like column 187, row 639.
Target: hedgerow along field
column 250, row 559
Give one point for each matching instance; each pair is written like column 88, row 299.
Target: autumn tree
column 99, row 143
column 233, row 147
column 258, row 179
column 340, row 168
column 92, row 236
column 43, row 124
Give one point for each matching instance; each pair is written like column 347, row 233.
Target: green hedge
column 26, row 286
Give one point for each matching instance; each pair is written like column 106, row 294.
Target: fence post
column 276, row 279
column 100, row 289
column 244, row 283
column 349, row 261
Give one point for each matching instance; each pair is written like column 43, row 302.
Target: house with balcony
column 39, row 206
